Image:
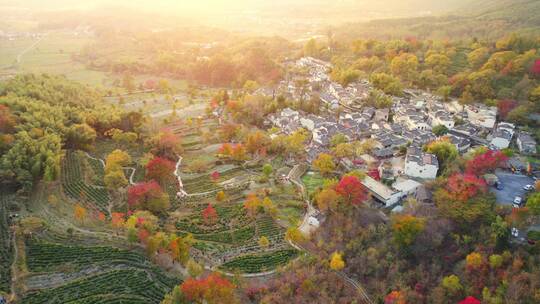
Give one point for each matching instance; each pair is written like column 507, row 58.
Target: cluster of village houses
column 406, row 126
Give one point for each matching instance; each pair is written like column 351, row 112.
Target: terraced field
column 94, row 197
column 260, row 262
column 117, row 286
column 6, row 249
column 98, row 274
column 204, row 183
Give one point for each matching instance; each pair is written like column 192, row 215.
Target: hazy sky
column 217, row 5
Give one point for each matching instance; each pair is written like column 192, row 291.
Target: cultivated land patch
column 67, row 273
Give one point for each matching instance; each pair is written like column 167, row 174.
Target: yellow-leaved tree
column 336, row 261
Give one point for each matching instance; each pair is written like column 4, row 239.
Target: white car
column 515, row 232
column 528, row 187
column 517, row 202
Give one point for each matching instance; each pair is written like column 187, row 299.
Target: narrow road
column 28, row 49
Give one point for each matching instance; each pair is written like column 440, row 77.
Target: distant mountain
column 526, row 12
column 484, row 19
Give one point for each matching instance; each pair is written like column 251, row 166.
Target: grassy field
column 50, row 54
column 312, row 180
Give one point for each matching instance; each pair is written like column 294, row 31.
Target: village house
column 500, row 140
column 526, row 144
column 502, row 136
column 441, row 117
column 481, row 115
column 462, row 143
column 407, row 187
column 421, row 165
column 381, row 192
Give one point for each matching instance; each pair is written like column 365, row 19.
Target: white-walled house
column 441, row 118
column 381, row 192
column 526, row 144
column 481, row 115
column 421, row 165
column 500, row 140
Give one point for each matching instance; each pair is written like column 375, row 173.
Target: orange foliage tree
column 213, row 289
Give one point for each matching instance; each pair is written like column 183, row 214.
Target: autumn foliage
column 485, row 162
column 462, row 187
column 215, row 176
column 209, row 215
column 148, row 195
column 166, row 144
column 505, row 106
column 395, row 297
column 213, row 289
column 470, row 300
column 350, row 188
column 160, row 169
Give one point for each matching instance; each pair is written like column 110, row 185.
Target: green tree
column 440, row 130
column 324, row 163
column 533, row 203
column 445, row 151
column 406, row 228
column 452, row 284
column 267, row 169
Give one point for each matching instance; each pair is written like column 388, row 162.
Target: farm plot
column 255, row 263
column 204, row 183
column 98, row 274
column 74, row 186
column 6, row 250
column 43, row 256
column 312, row 181
column 235, row 234
column 130, row 285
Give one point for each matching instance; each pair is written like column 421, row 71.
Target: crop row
column 128, row 284
column 44, row 256
column 75, row 187
column 238, row 236
column 97, row 167
column 195, row 224
column 6, row 252
column 260, row 262
column 204, row 183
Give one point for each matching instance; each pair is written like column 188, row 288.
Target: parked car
column 517, row 202
column 499, row 185
column 515, row 232
column 528, row 187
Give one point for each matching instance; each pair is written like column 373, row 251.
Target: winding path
column 304, row 227
column 28, row 49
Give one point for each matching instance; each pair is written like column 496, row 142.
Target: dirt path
column 28, row 49
column 306, row 229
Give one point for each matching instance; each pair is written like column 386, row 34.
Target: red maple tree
column 215, row 176
column 350, row 188
column 160, row 169
column 470, row 300
column 505, row 106
column 485, row 162
column 212, row 289
column 209, row 214
column 535, row 69
column 462, row 187
column 143, row 235
column 140, row 193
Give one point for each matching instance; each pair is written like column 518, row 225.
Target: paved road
column 513, row 186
